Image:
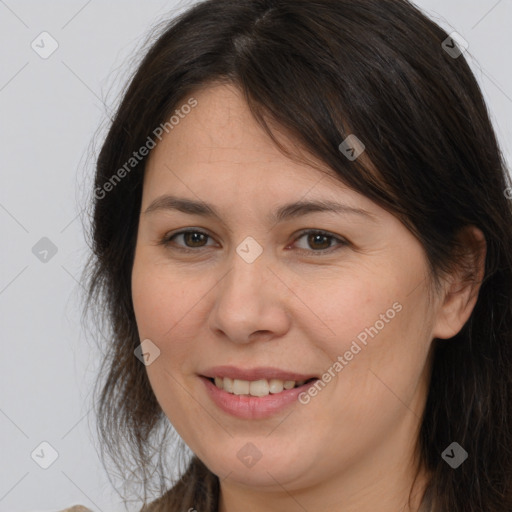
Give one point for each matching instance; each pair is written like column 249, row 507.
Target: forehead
column 219, row 142
column 218, row 160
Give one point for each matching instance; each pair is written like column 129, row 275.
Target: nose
column 250, row 303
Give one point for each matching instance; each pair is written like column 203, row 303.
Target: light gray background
column 50, row 110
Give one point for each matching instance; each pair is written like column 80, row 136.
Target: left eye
column 322, row 238
column 196, row 238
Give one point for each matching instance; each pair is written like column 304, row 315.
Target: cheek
column 152, row 302
column 376, row 334
column 383, row 365
column 160, row 296
column 164, row 308
column 167, row 303
column 372, row 306
column 353, row 307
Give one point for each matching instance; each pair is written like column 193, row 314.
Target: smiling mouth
column 258, row 388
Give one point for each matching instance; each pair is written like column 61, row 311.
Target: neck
column 388, row 492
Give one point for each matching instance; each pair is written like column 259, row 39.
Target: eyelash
column 166, row 241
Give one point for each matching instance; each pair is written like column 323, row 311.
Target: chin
column 271, row 470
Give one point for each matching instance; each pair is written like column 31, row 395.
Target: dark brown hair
column 324, row 69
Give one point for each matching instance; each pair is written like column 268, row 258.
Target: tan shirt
column 77, row 508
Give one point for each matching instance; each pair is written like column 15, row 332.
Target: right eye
column 194, row 237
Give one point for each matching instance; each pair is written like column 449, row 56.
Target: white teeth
column 241, row 387
column 259, row 388
column 228, row 384
column 262, row 387
column 276, row 386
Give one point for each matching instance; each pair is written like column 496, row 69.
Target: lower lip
column 253, row 407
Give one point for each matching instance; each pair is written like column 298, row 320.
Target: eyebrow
column 284, row 212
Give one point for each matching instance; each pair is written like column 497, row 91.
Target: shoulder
column 76, row 508
column 81, row 508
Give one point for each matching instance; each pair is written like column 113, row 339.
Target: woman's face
column 256, row 298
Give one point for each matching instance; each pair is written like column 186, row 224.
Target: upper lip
column 257, row 373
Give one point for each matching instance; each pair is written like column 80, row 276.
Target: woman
column 303, row 243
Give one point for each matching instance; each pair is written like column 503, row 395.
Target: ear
column 461, row 288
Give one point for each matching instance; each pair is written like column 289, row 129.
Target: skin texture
column 353, row 446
